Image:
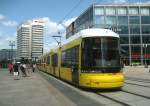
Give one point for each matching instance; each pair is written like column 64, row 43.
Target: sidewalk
column 29, row 91
column 137, row 72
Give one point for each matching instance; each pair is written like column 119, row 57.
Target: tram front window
column 100, row 54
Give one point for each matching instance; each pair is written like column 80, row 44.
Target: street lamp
column 145, row 48
column 12, row 44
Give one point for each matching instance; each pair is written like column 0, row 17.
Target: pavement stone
column 29, row 91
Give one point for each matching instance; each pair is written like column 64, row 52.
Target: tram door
column 75, row 63
column 54, row 62
column 75, row 75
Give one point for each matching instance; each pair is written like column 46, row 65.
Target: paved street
column 29, row 91
column 40, row 89
column 36, row 91
column 137, row 72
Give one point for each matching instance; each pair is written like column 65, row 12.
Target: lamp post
column 11, row 44
column 145, row 48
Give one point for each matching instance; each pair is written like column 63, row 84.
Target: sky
column 14, row 12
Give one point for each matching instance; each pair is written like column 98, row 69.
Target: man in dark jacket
column 16, row 71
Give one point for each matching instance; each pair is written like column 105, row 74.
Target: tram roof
column 92, row 32
column 97, row 32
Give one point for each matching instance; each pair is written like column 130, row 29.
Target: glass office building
column 130, row 21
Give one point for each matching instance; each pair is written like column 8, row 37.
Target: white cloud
column 9, row 23
column 6, row 22
column 69, row 21
column 5, row 38
column 2, row 17
column 119, row 1
column 50, row 46
column 52, row 28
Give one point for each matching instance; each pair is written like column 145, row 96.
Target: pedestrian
column 10, row 67
column 22, row 68
column 34, row 66
column 16, row 71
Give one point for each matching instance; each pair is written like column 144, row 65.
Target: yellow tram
column 88, row 59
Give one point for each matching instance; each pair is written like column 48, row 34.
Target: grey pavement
column 41, row 89
column 29, row 91
column 137, row 72
column 38, row 91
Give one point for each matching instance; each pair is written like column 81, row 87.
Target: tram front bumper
column 102, row 81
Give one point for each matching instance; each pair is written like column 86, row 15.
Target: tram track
column 123, row 92
column 137, row 94
column 138, row 79
column 113, row 96
column 113, row 99
column 138, row 84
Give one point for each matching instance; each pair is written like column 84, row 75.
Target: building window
column 134, row 29
column 134, row 19
column 146, row 39
column 122, row 20
column 99, row 20
column 99, row 11
column 110, row 11
column 135, row 52
column 145, row 11
column 122, row 11
column 125, row 51
column 124, row 40
column 123, row 29
column 146, row 29
column 135, row 39
column 111, row 20
column 133, row 11
column 145, row 19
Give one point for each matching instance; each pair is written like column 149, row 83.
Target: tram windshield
column 100, row 54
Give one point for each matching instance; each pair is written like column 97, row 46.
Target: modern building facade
column 30, row 39
column 8, row 54
column 130, row 21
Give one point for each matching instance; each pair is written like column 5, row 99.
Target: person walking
column 16, row 71
column 22, row 68
column 34, row 66
column 10, row 67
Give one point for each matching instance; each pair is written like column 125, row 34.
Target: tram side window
column 70, row 57
column 48, row 59
column 55, row 60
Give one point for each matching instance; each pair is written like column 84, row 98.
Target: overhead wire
column 61, row 21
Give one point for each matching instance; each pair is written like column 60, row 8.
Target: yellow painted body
column 103, row 80
column 66, row 74
column 88, row 80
